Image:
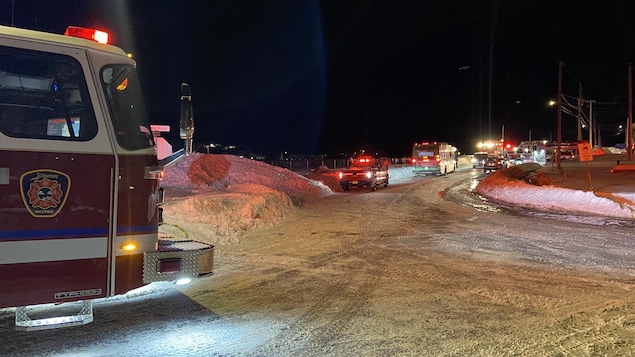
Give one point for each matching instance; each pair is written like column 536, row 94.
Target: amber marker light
column 128, row 247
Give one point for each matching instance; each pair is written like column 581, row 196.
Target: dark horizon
column 326, row 77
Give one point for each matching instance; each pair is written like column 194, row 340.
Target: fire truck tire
column 345, row 187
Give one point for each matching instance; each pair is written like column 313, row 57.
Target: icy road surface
column 397, row 272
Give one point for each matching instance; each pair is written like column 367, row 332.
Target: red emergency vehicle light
column 89, row 34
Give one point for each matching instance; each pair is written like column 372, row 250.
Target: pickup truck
column 365, row 171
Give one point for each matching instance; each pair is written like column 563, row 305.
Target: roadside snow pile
column 200, row 173
column 226, row 195
column 499, row 187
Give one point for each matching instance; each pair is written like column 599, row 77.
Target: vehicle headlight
column 369, row 174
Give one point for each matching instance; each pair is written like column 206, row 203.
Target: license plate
column 354, row 182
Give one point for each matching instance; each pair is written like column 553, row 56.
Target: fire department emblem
column 44, row 192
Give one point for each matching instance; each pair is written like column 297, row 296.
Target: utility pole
column 591, row 123
column 559, row 126
column 629, row 124
column 579, row 111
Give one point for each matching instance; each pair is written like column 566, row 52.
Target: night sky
column 336, row 76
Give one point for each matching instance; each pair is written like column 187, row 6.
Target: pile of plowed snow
column 221, row 197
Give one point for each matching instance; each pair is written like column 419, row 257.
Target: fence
column 309, row 165
column 313, row 165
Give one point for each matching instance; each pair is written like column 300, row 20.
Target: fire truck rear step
column 23, row 322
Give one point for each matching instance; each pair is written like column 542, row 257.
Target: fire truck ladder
column 23, row 322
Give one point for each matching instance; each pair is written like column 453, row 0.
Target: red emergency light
column 89, row 34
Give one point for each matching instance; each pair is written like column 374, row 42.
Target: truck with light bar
column 433, row 158
column 80, row 195
column 365, row 171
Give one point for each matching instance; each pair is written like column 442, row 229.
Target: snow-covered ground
column 556, row 199
column 238, row 195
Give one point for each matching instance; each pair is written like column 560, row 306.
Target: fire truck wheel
column 345, row 188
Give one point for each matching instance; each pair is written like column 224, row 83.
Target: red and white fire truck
column 79, row 178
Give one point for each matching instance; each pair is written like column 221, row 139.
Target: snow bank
column 227, row 196
column 200, row 173
column 499, row 187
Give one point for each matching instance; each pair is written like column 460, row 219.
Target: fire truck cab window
column 125, row 103
column 44, row 96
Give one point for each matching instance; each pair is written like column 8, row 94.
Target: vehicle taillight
column 413, row 160
column 89, row 34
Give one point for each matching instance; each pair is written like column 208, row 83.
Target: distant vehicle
column 568, row 150
column 433, row 158
column 365, row 171
column 492, row 164
column 526, row 158
column 511, row 160
column 479, row 159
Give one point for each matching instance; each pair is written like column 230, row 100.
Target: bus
column 433, row 158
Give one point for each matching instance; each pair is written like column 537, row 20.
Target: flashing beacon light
column 89, row 34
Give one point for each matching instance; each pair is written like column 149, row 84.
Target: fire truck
column 80, row 195
column 365, row 171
